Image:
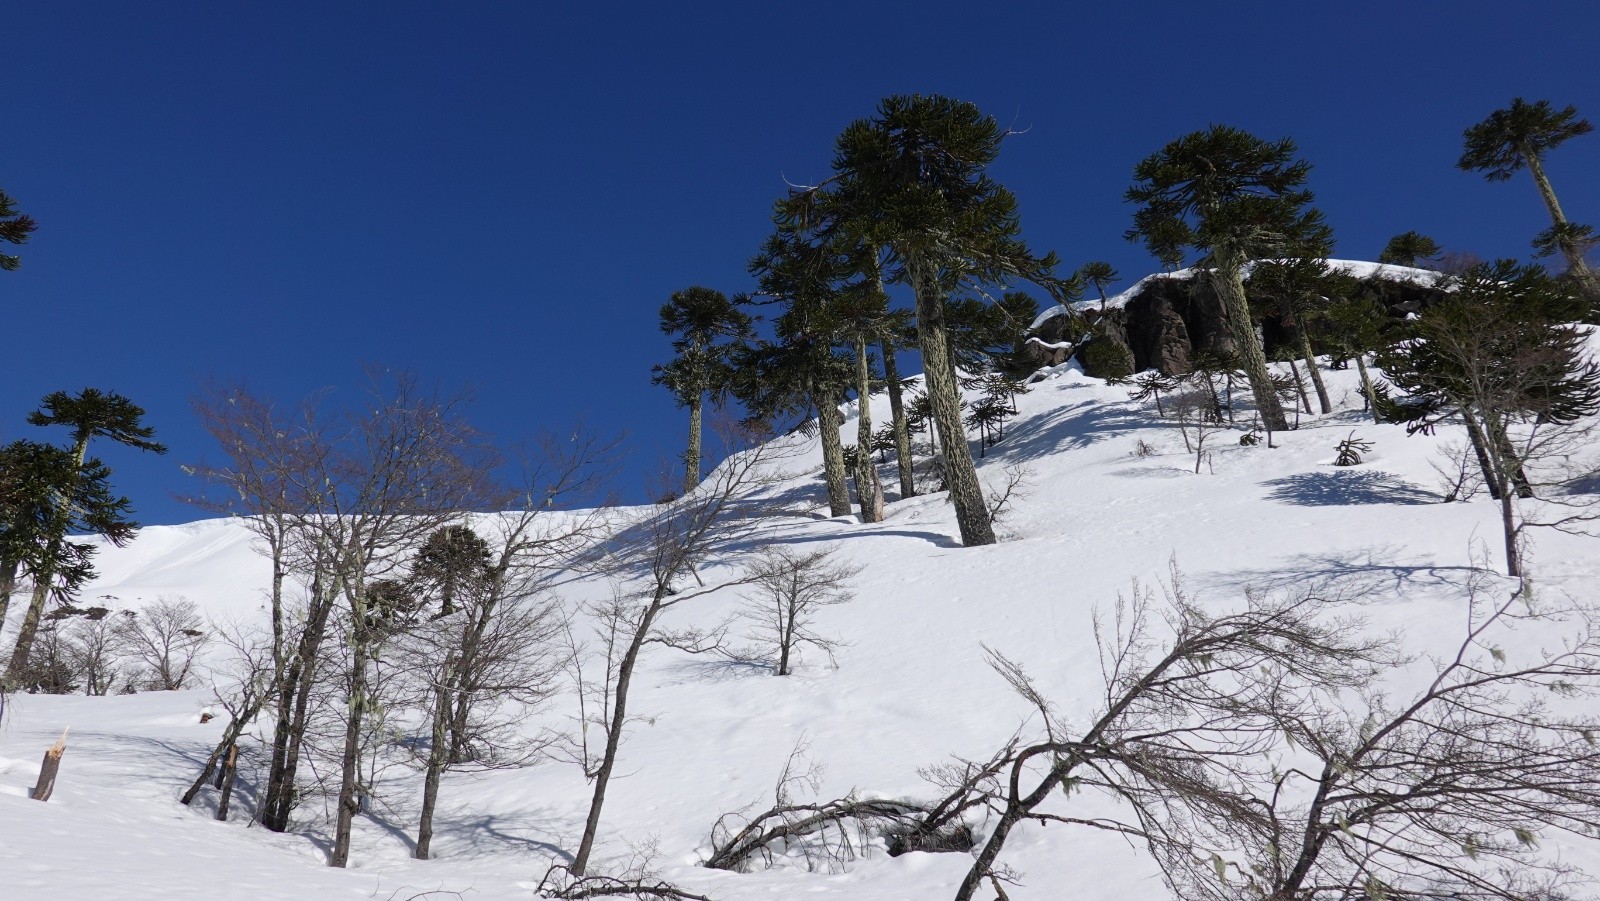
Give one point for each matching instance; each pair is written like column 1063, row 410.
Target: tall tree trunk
column 1511, row 463
column 897, row 411
column 230, row 740
column 230, row 767
column 293, row 713
column 1229, row 283
column 348, row 803
column 1480, row 447
column 1575, row 262
column 1316, row 373
column 1300, row 386
column 691, row 457
column 8, row 584
column 1366, row 388
column 869, row 492
column 42, row 580
column 45, row 575
column 1508, row 523
column 944, row 395
column 608, row 760
column 830, row 420
column 437, row 754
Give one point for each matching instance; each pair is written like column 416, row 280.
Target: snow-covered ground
column 911, row 687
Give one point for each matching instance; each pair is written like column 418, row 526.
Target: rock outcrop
column 1164, row 320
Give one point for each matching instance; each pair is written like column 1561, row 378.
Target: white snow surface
column 1357, row 268
column 910, row 689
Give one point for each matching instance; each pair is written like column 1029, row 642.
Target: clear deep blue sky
column 502, row 194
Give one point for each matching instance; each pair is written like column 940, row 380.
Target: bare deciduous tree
column 1180, row 722
column 649, row 560
column 163, row 639
column 787, row 590
column 1443, row 792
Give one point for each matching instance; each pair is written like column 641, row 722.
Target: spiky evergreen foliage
column 1410, row 249
column 36, row 479
column 454, row 559
column 1519, row 136
column 78, row 480
column 798, row 373
column 14, row 229
column 989, row 337
column 1100, row 275
column 1234, row 198
column 1498, row 351
column 1294, row 289
column 1356, row 326
column 704, row 325
column 914, row 177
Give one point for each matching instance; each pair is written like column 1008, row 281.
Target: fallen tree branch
column 558, row 882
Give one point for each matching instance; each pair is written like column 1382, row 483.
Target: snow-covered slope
column 911, row 687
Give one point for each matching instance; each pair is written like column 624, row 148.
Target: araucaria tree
column 1235, row 198
column 1520, row 135
column 703, row 322
column 14, row 229
column 799, row 372
column 1294, row 289
column 90, row 414
column 1409, row 249
column 917, row 172
column 1499, row 352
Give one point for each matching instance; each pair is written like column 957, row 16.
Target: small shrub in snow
column 1349, row 451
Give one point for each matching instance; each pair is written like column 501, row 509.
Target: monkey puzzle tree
column 14, row 229
column 1100, row 274
column 917, row 171
column 91, row 414
column 1409, row 249
column 799, row 371
column 1499, row 352
column 1519, row 136
column 1235, row 198
column 698, row 317
column 1293, row 289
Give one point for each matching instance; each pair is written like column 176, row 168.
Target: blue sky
column 502, row 194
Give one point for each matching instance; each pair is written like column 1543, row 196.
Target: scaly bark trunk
column 897, row 412
column 1480, row 448
column 1316, row 374
column 1230, row 288
column 691, row 457
column 8, row 584
column 830, row 421
column 1300, row 387
column 869, row 492
column 944, row 395
column 1575, row 262
column 44, row 577
column 1366, row 387
column 1495, row 429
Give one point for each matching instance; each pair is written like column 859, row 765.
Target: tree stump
column 47, row 770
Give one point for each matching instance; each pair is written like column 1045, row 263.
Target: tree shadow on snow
column 1347, row 487
column 1357, row 574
